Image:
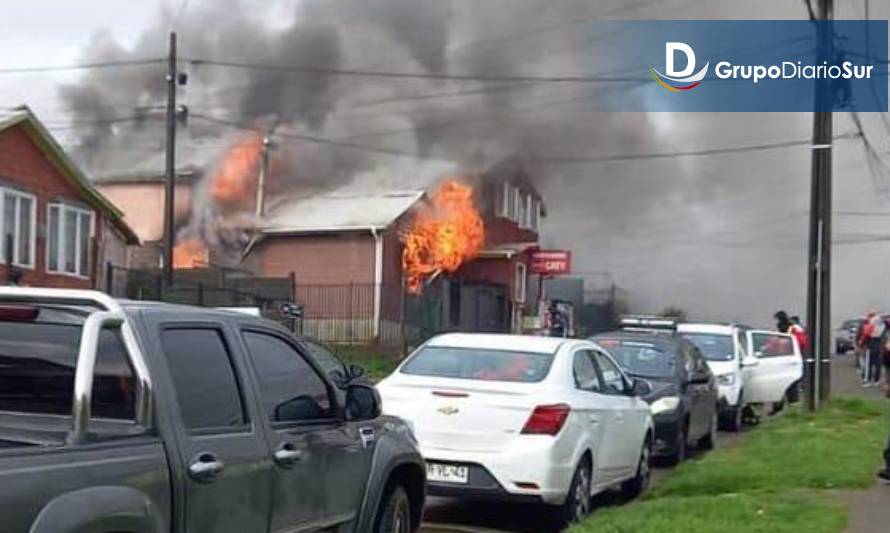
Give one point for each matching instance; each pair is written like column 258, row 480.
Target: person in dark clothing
column 885, row 472
column 783, row 323
column 558, row 321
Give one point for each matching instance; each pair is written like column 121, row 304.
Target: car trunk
column 462, row 415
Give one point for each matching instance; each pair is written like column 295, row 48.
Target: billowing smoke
column 709, row 224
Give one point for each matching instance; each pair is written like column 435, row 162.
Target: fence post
column 351, row 315
column 109, row 278
column 293, row 299
column 200, row 293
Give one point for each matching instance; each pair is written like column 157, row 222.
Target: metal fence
column 210, row 286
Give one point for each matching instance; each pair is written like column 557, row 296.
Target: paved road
column 455, row 516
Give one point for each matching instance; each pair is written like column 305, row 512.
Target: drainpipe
column 378, row 278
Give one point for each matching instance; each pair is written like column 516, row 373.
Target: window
column 69, row 237
column 613, row 381
column 37, row 370
column 292, row 391
column 534, row 211
column 18, row 223
column 521, row 208
column 479, row 364
column 586, row 376
column 519, row 285
column 772, row 344
column 504, row 199
column 716, row 346
column 206, row 387
column 327, row 360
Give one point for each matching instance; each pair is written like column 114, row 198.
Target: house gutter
column 378, row 278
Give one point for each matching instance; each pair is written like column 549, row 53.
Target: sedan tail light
column 547, row 419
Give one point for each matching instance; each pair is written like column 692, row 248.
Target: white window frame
column 520, row 284
column 61, row 257
column 517, row 202
column 16, row 236
column 504, row 204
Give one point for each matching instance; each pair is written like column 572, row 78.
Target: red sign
column 551, row 262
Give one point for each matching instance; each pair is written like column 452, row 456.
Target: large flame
column 235, row 180
column 442, row 236
column 190, row 253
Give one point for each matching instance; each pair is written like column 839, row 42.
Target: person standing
column 783, row 324
column 875, row 332
column 799, row 333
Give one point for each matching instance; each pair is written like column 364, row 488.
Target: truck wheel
column 577, row 504
column 394, row 515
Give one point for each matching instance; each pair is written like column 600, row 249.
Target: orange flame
column 443, row 236
column 235, row 180
column 190, row 253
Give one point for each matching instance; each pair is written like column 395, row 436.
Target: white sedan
column 533, row 419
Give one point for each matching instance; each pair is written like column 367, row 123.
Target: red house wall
column 24, row 165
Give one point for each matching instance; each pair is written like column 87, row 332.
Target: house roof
column 23, row 116
column 335, row 212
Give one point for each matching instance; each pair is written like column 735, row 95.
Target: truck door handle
column 205, row 468
column 287, row 455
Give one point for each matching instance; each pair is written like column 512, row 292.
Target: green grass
column 378, row 362
column 775, row 480
column 738, row 513
column 838, row 448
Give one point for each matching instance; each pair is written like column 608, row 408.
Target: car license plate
column 447, row 473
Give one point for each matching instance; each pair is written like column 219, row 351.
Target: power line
column 82, row 66
column 687, row 153
column 322, row 71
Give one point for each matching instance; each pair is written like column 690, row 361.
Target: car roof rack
column 649, row 323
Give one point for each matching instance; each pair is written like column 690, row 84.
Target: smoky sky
column 723, row 237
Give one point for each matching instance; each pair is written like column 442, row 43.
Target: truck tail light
column 547, row 419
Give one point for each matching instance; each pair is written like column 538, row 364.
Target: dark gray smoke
column 723, row 237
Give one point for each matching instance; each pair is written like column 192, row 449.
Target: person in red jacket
column 799, row 333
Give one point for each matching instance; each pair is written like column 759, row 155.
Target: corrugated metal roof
column 338, row 212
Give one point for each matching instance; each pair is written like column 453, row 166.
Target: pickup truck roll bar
column 113, row 316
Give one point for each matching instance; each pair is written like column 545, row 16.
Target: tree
column 677, row 313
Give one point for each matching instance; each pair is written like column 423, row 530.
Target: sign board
column 551, row 262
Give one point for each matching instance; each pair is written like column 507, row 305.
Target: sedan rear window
column 479, row 364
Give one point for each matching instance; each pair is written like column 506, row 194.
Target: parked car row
column 556, row 420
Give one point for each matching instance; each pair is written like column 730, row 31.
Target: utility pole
column 817, row 369
column 170, row 170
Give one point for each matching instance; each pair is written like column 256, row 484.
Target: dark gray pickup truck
column 137, row 417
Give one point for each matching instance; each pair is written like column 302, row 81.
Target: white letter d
column 669, row 52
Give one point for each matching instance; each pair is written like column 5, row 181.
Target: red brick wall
column 335, row 259
column 23, row 164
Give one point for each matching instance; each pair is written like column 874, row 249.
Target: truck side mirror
column 362, row 402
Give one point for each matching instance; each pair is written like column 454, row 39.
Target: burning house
column 452, row 257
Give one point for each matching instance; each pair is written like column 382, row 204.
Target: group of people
column 873, row 350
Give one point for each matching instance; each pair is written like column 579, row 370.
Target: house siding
column 24, row 165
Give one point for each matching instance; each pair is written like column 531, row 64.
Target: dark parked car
column 152, row 418
column 845, row 338
column 684, row 392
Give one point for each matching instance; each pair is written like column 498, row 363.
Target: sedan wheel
column 709, row 441
column 679, row 454
column 577, row 504
column 638, row 485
